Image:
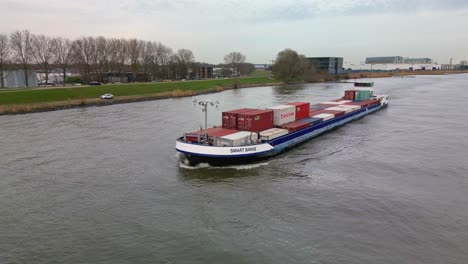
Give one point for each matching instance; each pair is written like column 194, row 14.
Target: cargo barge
column 248, row 135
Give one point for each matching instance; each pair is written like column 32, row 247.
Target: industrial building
column 15, row 79
column 397, row 60
column 333, row 65
column 385, row 60
column 400, row 63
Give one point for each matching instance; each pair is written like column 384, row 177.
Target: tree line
column 97, row 57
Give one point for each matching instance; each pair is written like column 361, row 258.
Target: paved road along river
column 104, row 184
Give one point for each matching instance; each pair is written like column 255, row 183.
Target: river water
column 105, row 185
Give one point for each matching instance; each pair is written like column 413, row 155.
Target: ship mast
column 204, row 104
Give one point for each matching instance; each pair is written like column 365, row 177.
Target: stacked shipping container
column 302, row 109
column 363, row 104
column 255, row 121
column 323, row 105
column 336, row 113
column 324, row 116
column 352, row 107
column 229, row 118
column 292, row 117
column 331, row 103
column 295, row 126
column 312, row 120
column 283, row 114
column 337, row 108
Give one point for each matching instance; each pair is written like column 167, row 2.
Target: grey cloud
column 403, row 6
column 149, row 7
column 301, row 10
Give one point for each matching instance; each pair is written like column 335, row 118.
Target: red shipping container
column 212, row 132
column 349, row 95
column 334, row 112
column 229, row 118
column 302, row 109
column 295, row 126
column 255, row 121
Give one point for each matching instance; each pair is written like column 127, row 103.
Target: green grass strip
column 63, row 94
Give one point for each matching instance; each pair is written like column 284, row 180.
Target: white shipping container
column 283, row 114
column 324, row 117
column 272, row 133
column 237, row 139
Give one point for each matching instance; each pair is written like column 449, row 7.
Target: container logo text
column 239, row 150
column 287, row 115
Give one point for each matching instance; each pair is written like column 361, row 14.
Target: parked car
column 107, row 96
column 94, row 83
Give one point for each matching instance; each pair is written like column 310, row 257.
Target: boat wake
column 185, row 165
column 246, row 166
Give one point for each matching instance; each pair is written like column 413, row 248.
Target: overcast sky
column 353, row 29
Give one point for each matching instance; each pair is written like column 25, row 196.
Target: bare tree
column 21, row 44
column 43, row 53
column 63, row 51
column 112, row 54
column 155, row 65
column 123, row 55
column 95, row 57
column 4, row 57
column 84, row 50
column 134, row 52
column 147, row 56
column 183, row 60
column 163, row 59
column 101, row 57
column 235, row 60
column 117, row 55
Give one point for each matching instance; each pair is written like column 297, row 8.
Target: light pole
column 204, row 104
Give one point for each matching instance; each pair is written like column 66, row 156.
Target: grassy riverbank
column 29, row 100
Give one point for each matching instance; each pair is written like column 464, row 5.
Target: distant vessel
column 248, row 134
